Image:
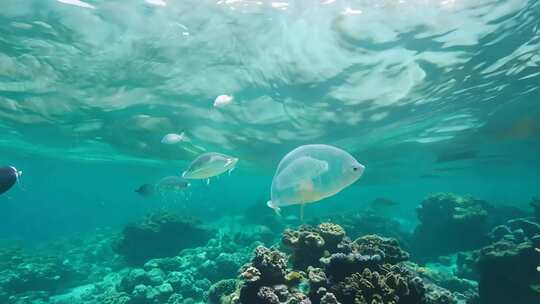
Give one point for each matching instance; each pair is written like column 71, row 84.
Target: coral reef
column 219, row 292
column 314, row 265
column 27, row 274
column 444, row 276
column 188, row 275
column 387, row 248
column 309, row 243
column 38, row 273
column 508, row 266
column 462, row 221
column 329, row 268
column 159, row 236
column 466, row 265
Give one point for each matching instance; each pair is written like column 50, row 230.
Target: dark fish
column 528, row 127
column 8, row 178
column 448, row 169
column 172, row 183
column 383, row 202
column 146, row 190
column 456, row 156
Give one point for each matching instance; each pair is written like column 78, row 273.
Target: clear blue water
column 432, row 96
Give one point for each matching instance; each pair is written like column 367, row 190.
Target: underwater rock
column 254, row 214
column 256, row 233
column 507, row 267
column 450, row 223
column 159, row 235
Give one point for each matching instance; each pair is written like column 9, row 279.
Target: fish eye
column 355, row 168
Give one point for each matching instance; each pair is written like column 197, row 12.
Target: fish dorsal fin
column 300, row 171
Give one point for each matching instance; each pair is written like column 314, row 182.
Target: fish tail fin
column 185, row 136
column 276, row 209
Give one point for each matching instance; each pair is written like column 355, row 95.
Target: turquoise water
column 431, row 96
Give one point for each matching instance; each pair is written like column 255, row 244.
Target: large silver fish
column 209, row 165
column 311, row 173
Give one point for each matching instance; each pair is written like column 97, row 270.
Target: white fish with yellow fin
column 311, row 173
column 208, row 165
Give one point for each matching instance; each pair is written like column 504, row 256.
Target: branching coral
column 387, row 248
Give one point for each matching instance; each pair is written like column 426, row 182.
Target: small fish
column 381, row 206
column 223, row 100
column 449, row 169
column 383, row 202
column 311, row 173
column 77, row 3
column 208, row 165
column 156, row 2
column 430, row 176
column 9, row 176
column 146, row 190
column 173, row 138
column 172, row 183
